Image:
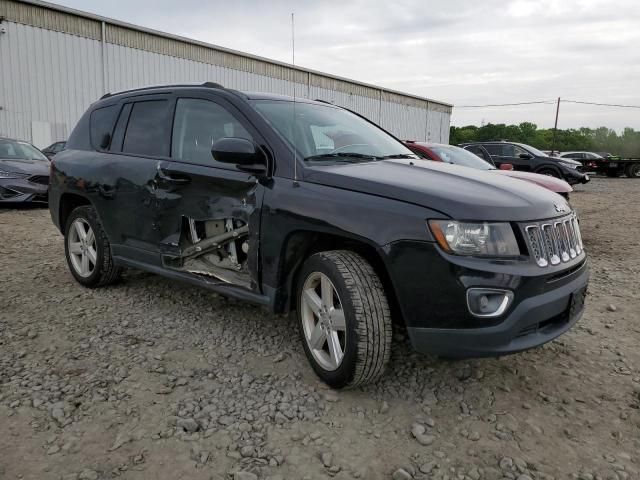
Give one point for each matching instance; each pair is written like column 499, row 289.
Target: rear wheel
column 344, row 318
column 88, row 250
column 633, row 170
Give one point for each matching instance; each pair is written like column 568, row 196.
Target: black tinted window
column 148, row 129
column 102, row 121
column 494, row 149
column 198, row 124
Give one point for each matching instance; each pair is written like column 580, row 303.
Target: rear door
column 139, row 144
column 209, row 215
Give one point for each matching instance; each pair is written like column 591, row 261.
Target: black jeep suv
column 529, row 159
column 306, row 207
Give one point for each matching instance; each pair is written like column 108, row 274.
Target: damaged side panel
column 217, row 248
column 210, row 227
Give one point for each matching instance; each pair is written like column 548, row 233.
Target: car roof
column 208, row 86
column 578, row 151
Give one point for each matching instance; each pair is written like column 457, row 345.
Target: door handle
column 168, row 177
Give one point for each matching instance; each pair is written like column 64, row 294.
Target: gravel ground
column 154, row 379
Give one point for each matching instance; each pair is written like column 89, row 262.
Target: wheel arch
column 68, row 203
column 546, row 166
column 301, row 244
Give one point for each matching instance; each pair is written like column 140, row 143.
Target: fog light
column 488, row 302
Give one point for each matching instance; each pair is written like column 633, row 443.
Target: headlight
column 5, row 174
column 477, row 239
column 570, row 165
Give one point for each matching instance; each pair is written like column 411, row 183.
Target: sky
column 461, row 52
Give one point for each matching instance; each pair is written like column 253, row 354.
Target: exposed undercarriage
column 214, row 248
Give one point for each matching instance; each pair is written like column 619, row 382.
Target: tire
column 633, row 170
column 366, row 337
column 95, row 248
column 550, row 172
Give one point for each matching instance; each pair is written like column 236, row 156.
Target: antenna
column 293, row 124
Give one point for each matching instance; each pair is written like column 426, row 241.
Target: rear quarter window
column 102, row 122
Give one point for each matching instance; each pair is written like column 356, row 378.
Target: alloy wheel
column 82, row 247
column 323, row 321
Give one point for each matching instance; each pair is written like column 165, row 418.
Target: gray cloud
column 458, row 51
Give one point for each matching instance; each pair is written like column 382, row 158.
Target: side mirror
column 526, row 156
column 240, row 152
column 506, row 166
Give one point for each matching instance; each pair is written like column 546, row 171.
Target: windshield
column 533, row 150
column 460, row 156
column 12, row 149
column 325, row 132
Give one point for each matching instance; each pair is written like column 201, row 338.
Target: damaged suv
column 308, row 208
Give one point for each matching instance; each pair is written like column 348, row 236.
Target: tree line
column 603, row 139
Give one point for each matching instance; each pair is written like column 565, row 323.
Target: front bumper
column 20, row 190
column 535, row 321
column 430, row 288
column 573, row 177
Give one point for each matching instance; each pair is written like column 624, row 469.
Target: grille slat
column 554, row 242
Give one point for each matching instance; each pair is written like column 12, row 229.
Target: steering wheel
column 350, row 145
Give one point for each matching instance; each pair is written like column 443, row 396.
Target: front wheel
column 550, row 172
column 344, row 318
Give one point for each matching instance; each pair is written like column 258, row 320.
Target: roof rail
column 205, row 84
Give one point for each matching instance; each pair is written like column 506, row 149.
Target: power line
column 547, row 102
column 602, row 104
column 505, row 104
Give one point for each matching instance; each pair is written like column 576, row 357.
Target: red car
column 439, row 152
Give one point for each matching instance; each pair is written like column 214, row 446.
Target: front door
column 209, row 212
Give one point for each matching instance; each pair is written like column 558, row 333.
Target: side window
column 197, row 126
column 494, row 149
column 101, row 124
column 517, row 151
column 148, row 129
column 508, row 150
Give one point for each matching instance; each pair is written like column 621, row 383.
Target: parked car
column 475, row 158
column 529, row 159
column 24, row 172
column 606, row 164
column 308, row 208
column 54, row 148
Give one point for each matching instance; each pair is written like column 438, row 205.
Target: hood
column 460, row 192
column 554, row 184
column 28, row 167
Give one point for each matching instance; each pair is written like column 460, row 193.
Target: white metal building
column 55, row 61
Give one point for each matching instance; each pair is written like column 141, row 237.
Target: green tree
column 602, row 139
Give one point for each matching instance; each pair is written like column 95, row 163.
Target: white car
column 580, row 156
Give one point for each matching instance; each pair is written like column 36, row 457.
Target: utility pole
column 555, row 128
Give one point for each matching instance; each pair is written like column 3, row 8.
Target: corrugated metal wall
column 46, row 76
column 52, row 69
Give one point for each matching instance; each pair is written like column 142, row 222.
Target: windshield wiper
column 398, row 155
column 341, row 155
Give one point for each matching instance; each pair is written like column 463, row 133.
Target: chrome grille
column 554, row 242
